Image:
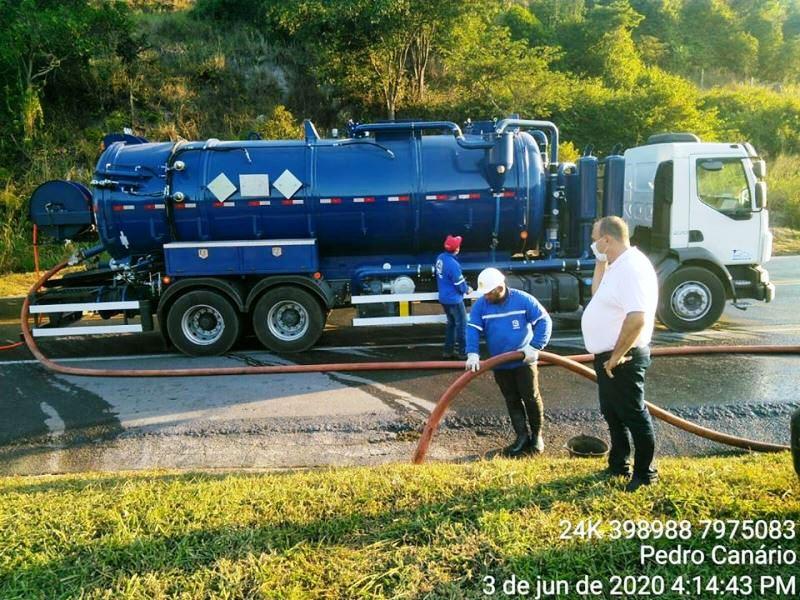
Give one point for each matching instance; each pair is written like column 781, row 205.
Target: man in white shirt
column 617, row 326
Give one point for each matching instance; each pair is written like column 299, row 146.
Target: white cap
column 490, row 279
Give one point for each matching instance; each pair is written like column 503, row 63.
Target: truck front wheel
column 288, row 319
column 692, row 299
column 203, row 323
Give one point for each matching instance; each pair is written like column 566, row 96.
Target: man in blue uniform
column 512, row 320
column 452, row 287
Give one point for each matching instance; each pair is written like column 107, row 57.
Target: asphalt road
column 54, row 423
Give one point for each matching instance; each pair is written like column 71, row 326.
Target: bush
column 766, row 118
column 783, row 179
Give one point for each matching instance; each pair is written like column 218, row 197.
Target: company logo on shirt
column 515, row 323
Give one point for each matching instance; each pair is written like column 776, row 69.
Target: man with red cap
column 452, row 287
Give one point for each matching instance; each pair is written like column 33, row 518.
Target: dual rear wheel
column 206, row 323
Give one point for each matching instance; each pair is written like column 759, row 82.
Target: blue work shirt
column 449, row 279
column 520, row 320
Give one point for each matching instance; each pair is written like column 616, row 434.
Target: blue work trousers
column 455, row 337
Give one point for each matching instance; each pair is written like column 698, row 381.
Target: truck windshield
column 722, row 184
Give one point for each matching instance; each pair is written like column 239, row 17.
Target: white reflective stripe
column 505, row 314
column 237, row 243
column 372, row 298
column 528, row 337
column 462, row 280
column 94, row 330
column 324, row 200
column 158, row 206
column 478, row 327
column 430, row 197
column 463, row 196
column 85, row 306
column 128, row 207
column 297, row 202
column 400, row 320
column 394, row 198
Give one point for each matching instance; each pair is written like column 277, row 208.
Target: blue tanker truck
column 217, row 238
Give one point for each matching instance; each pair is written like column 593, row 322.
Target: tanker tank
column 389, row 192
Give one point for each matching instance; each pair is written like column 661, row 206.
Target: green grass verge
column 396, row 531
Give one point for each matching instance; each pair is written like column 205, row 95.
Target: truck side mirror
column 761, row 195
column 760, row 169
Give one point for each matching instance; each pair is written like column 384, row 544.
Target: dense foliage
column 606, row 71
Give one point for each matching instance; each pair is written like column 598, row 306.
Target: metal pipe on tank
column 426, row 126
column 528, row 123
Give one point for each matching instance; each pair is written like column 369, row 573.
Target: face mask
column 597, row 254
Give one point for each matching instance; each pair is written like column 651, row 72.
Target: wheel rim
column 691, row 300
column 288, row 320
column 202, row 325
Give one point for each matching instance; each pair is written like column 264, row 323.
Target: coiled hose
column 571, row 363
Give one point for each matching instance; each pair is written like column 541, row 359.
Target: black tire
column 288, row 319
column 203, row 323
column 691, row 299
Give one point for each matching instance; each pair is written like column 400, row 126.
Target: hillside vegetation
column 606, row 71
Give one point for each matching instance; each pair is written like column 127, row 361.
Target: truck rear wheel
column 203, row 323
column 692, row 299
column 288, row 319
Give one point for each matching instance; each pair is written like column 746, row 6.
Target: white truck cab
column 699, row 211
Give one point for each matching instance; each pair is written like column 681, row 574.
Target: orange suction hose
column 571, row 363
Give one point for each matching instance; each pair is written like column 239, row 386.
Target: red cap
column 452, row 243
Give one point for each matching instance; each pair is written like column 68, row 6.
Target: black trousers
column 520, row 388
column 622, row 406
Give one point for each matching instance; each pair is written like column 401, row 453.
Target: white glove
column 531, row 354
column 598, row 255
column 473, row 362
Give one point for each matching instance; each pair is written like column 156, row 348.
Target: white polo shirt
column 628, row 285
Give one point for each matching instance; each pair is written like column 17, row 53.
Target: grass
column 787, row 241
column 388, row 532
column 16, row 284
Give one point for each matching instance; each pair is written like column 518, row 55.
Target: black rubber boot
column 520, row 424
column 535, row 444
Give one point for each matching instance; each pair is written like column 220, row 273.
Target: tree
column 42, row 39
column 714, row 38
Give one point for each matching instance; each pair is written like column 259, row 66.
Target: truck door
column 721, row 213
